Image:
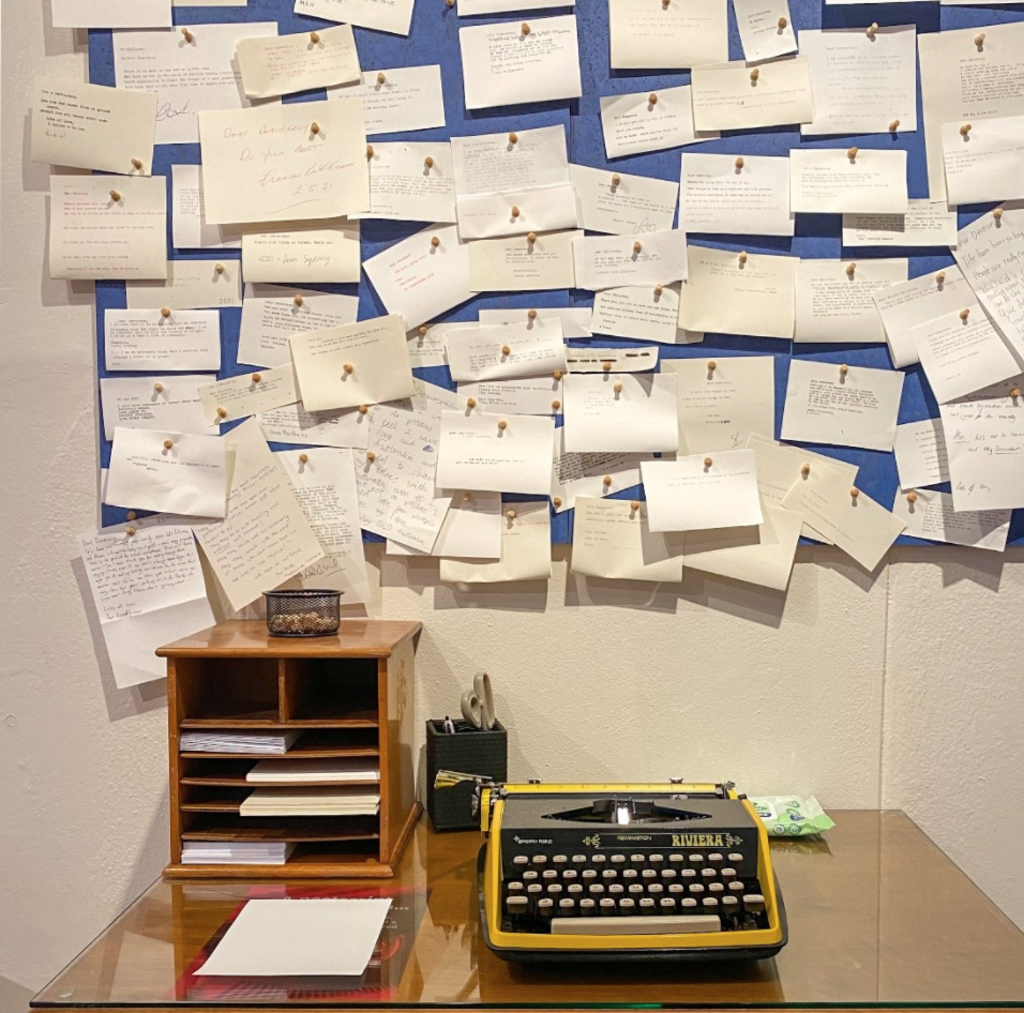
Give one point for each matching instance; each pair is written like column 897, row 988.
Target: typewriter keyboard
column 623, row 894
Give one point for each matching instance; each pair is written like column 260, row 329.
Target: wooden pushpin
column 940, row 277
column 618, row 388
column 965, row 130
column 531, row 314
column 168, row 444
column 894, row 126
column 634, row 505
column 428, row 162
column 222, row 413
column 131, row 515
column 298, row 299
column 739, row 162
column 911, row 497
column 189, row 37
column 616, row 179
column 513, row 138
column 502, row 425
column 851, row 154
column 851, row 269
column 606, row 366
column 742, row 258
column 556, row 405
column 129, row 531
column 652, row 99
column 505, row 350
column 303, row 458
column 381, row 77
column 637, row 246
column 470, row 402
column 871, row 30
column 136, row 163
column 964, row 314
column 658, row 289
column 314, row 128
column 363, row 409
column 557, row 500
column 531, row 237
column 1015, row 392
column 558, row 374
column 515, row 211
column 371, row 456
column 369, row 151
column 805, row 469
column 435, row 241
column 708, row 462
column 349, row 368
column 165, row 312
column 712, row 365
column 449, row 3
column 256, row 377
column 607, row 480
column 844, row 369
column 510, row 514
column 979, row 40
column 783, row 24
column 854, row 492
column 158, row 387
column 423, row 330
column 219, row 268
column 314, row 37
column 524, row 28
column 754, row 75
column 997, row 213
column 115, row 196
column 467, row 497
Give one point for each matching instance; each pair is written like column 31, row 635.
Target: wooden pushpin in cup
column 256, row 377
column 524, row 28
column 303, row 458
column 349, row 368
column 531, row 314
column 314, row 37
column 470, row 402
column 618, row 388
column 964, row 314
column 115, row 196
column 754, row 75
column 381, row 77
column 314, row 128
column 783, row 24
column 435, row 241
column 136, row 163
column 851, row 269
column 911, row 497
column 652, row 99
column 871, row 30
column 369, row 151
column 502, row 425
column 166, row 312
column 851, row 154
column 506, row 350
column 708, row 462
column 428, row 162
column 371, row 456
column 894, row 126
column 739, row 163
column 189, row 37
column 222, row 413
column 168, row 444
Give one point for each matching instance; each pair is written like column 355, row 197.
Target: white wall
column 598, row 680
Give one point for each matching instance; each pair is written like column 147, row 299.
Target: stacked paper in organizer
column 357, row 768
column 235, row 852
column 317, row 801
column 237, row 742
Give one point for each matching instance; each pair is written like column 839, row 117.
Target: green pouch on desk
column 790, row 816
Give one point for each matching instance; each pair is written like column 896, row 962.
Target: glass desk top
column 878, row 917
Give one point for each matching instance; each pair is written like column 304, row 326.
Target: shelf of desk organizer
column 208, row 827
column 272, row 722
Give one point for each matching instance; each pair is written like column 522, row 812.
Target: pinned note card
column 575, row 474
column 766, row 29
column 323, row 253
column 525, row 550
column 188, row 214
column 408, row 99
column 412, row 182
column 110, row 14
column 394, row 17
column 668, row 35
column 282, row 65
column 622, row 204
column 340, row 427
column 984, row 159
column 924, row 224
column 167, row 402
column 536, row 395
column 920, row 450
column 930, row 514
column 627, row 412
column 235, row 397
column 189, row 285
column 734, row 96
column 182, row 340
column 522, row 263
column 832, row 180
column 505, row 351
column 649, row 121
column 656, row 258
column 985, row 447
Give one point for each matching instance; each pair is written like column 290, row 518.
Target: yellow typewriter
column 587, row 871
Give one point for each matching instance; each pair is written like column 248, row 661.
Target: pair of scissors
column 478, row 703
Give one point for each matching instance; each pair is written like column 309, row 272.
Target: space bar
column 635, row 925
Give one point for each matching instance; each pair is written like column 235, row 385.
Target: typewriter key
column 646, row 906
column 516, row 905
column 609, row 874
column 566, row 906
column 710, row 905
column 618, row 859
column 530, row 875
column 515, row 887
column 730, row 907
column 590, row 874
column 708, row 873
column 655, row 889
column 668, row 874
column 570, row 874
column 555, row 890
column 696, row 859
column 735, row 856
column 627, row 906
column 616, row 890
column 676, row 888
column 716, row 857
column 549, row 874
column 688, row 873
column 560, row 859
column 638, row 859
column 687, row 904
column 728, row 873
column 545, row 907
column 579, row 859
column 596, row 889
column 736, row 886
column 539, row 859
column 630, row 874
column 667, row 905
column 656, row 859
column 649, row 874
column 598, row 859
column 533, row 889
column 607, row 906
column 574, row 888
column 636, row 889
column 587, row 906
column 520, row 860
column 716, row 887
column 696, row 888
column 677, row 859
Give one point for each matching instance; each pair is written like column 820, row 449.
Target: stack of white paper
column 235, row 852
column 318, row 801
column 257, row 743
column 355, row 768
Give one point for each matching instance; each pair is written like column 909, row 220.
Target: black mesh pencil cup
column 307, row 613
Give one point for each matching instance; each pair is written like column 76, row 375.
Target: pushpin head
column 513, row 137
column 303, row 458
column 637, row 246
column 524, row 28
column 423, row 330
column 618, row 387
column 712, row 365
column 940, row 277
column 348, row 367
column 131, row 515
column 708, row 462
column 298, row 299
column 371, row 456
column 129, row 531
column 854, row 492
column 911, row 497
column 435, row 241
column 314, row 128
column 964, row 314
column 314, row 37
column 851, row 269
column 136, row 163
column 652, row 99
column 502, row 424
column 739, row 162
column 979, row 39
column 851, row 154
column 515, row 211
column 658, row 289
column 158, row 387
column 510, row 514
column 606, row 366
column 783, row 24
column 428, row 162
column 805, row 469
column 607, row 480
column 165, row 312
column 754, row 75
column 557, row 500
column 1015, row 392
column 467, row 497
column 115, row 196
column 219, row 268
column 363, row 409
column 168, row 444
column 558, row 374
column 381, row 77
column 506, row 350
column 556, row 405
column 965, row 130
column 188, row 35
column 616, row 179
column 369, row 151
column 743, row 257
column 894, row 126
column 531, row 314
column 222, row 413
column 256, row 377
column 634, row 505
column 997, row 213
column 872, row 28
column 470, row 402
column 531, row 237
column 844, row 369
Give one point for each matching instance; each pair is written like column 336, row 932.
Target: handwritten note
column 985, row 444
column 622, row 204
column 322, row 254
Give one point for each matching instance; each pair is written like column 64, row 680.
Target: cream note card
column 145, row 339
column 324, row 482
column 962, row 81
column 187, row 76
column 356, row 364
column 625, row 412
column 670, row 35
column 265, row 538
column 987, row 162
column 91, row 127
column 623, row 205
column 423, row 276
column 495, row 163
column 280, row 163
column 658, row 258
column 734, row 293
column 924, row 224
column 633, row 124
column 503, row 65
column 612, row 539
column 428, row 346
column 828, row 180
column 861, row 83
column 282, row 65
column 766, row 29
column 239, row 396
column 722, row 401
column 412, row 182
column 471, row 8
column 745, row 195
column 642, row 312
column 191, row 231
column 962, row 356
column 855, row 408
column 486, row 216
column 393, row 17
column 525, row 551
column 575, row 321
column 856, row 523
column 985, row 445
column 108, row 227
column 409, row 98
column 487, row 453
column 338, row 428
column 324, row 254
column 149, row 589
column 518, row 265
column 576, row 474
column 920, row 450
column 733, row 96
column 917, row 301
column 505, row 352
column 538, row 395
column 834, row 301
column 271, row 315
column 189, row 285
column 594, row 359
column 174, row 473
column 762, row 555
column 697, row 492
column 153, row 402
column 471, row 529
column 110, row 14
column 931, row 515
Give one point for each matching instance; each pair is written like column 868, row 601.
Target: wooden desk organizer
column 351, row 694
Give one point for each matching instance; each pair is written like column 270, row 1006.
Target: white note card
column 147, row 340
column 110, row 14
column 931, row 515
column 633, row 124
column 189, row 285
column 622, row 204
column 733, row 96
column 519, row 264
column 985, row 446
column 656, row 258
column 505, row 352
column 281, row 65
column 325, row 253
column 744, row 195
column 188, row 214
column 412, row 182
column 766, row 29
column 830, row 181
column 153, row 402
column 394, row 17
column 920, row 450
column 924, row 224
column 623, row 412
column 669, row 35
column 408, row 99
column 525, row 551
column 987, row 162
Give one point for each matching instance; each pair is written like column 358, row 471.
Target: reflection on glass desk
column 878, row 917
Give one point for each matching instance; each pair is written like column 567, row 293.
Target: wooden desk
column 878, row 918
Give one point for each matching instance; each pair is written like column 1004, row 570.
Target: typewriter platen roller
column 678, row 871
